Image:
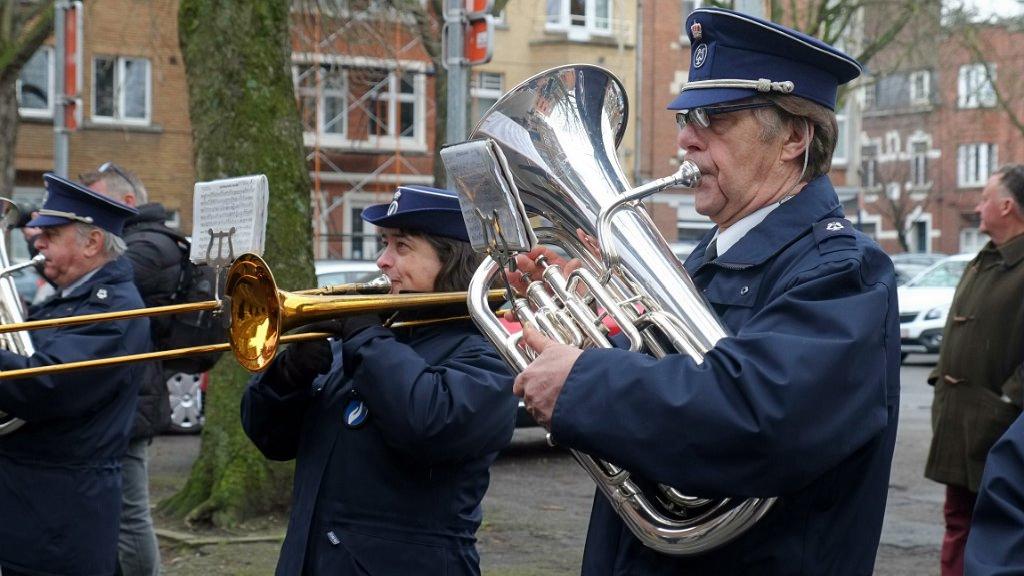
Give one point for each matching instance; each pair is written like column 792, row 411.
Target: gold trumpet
column 260, row 315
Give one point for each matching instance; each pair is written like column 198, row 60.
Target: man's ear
column 798, row 138
column 93, row 243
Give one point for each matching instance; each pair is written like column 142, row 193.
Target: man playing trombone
column 60, row 476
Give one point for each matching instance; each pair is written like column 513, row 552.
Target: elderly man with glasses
column 800, row 402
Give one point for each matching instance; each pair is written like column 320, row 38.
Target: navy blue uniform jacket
column 995, row 546
column 399, row 494
column 800, row 402
column 60, row 473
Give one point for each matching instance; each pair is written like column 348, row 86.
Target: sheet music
column 229, row 218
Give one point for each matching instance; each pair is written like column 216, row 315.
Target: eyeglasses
column 701, row 117
column 111, row 167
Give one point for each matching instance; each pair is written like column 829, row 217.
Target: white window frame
column 974, row 86
column 841, row 153
column 50, row 93
column 415, row 143
column 481, row 88
column 972, row 240
column 359, row 201
column 920, row 87
column 922, row 219
column 918, row 162
column 119, row 92
column 562, row 21
column 975, row 162
column 869, row 171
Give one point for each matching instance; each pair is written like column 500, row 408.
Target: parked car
column 910, row 264
column 186, row 392
column 330, row 272
column 924, row 303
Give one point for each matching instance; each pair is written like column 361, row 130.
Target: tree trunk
column 8, row 137
column 244, row 121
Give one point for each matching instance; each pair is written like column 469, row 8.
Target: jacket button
column 744, row 290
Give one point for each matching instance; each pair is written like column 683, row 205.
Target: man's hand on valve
column 542, row 381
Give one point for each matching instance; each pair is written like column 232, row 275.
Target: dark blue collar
column 794, row 218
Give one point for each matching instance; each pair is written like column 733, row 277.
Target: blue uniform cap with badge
column 423, row 209
column 68, row 202
column 736, row 56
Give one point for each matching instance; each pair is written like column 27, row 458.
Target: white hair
column 113, row 245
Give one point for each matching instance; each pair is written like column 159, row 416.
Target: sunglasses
column 701, row 117
column 111, row 167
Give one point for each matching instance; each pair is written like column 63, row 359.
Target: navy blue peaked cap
column 736, row 56
column 423, row 209
column 68, row 201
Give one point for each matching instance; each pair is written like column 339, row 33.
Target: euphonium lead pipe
column 36, row 262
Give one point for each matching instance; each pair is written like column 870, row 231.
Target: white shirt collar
column 730, row 236
column 85, row 278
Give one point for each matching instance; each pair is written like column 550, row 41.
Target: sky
column 996, row 7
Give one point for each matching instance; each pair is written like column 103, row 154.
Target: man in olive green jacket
column 979, row 381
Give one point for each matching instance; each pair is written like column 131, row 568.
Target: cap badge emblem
column 700, row 54
column 101, row 293
column 833, row 226
column 696, row 31
column 393, row 207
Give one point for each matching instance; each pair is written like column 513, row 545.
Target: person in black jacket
column 60, row 477
column 156, row 258
column 392, row 430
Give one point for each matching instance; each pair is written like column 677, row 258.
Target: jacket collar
column 793, row 218
column 114, row 272
column 1011, row 251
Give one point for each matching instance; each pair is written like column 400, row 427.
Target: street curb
column 192, row 540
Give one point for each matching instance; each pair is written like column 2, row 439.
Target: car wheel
column 186, row 397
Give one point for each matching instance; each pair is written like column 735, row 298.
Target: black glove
column 301, row 362
column 345, row 327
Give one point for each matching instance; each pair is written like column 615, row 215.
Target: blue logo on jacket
column 356, row 413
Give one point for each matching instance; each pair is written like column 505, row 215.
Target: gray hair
column 1011, row 177
column 826, row 130
column 120, row 183
column 113, row 245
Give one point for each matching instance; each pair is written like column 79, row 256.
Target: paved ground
column 536, row 511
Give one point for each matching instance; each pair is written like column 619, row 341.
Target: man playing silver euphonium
column 800, row 403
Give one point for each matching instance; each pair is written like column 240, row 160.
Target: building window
column 870, row 95
column 580, row 17
column 972, row 240
column 361, row 108
column 918, row 164
column 120, row 89
column 35, row 85
column 920, row 87
column 974, row 86
column 918, row 236
column 869, row 166
column 975, row 163
column 839, row 154
column 485, row 89
column 322, row 99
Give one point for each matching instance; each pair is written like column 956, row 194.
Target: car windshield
column 944, row 275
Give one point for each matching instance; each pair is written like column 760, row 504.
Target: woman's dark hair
column 458, row 261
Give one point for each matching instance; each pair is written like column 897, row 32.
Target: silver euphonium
column 558, row 132
column 10, row 302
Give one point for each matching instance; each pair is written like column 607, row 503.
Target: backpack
column 201, row 328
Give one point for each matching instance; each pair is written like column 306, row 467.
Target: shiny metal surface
column 10, row 304
column 559, row 131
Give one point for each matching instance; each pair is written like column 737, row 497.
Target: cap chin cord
column 68, row 215
column 760, row 85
